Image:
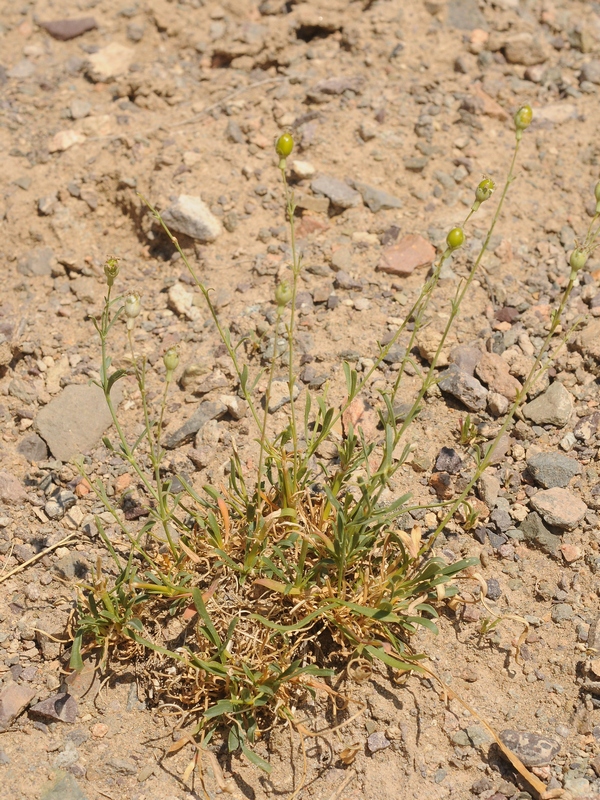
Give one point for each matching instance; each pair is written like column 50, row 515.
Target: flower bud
column 578, row 259
column 285, row 145
column 111, row 269
column 523, row 119
column 133, row 306
column 171, row 361
column 485, row 190
column 455, row 238
column 283, row 293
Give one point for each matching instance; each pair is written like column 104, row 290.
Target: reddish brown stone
column 402, row 259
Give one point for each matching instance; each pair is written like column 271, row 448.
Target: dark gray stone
column 501, row 519
column 553, row 469
column 75, row 420
column 538, row 535
column 466, row 357
column 493, row 589
column 463, row 387
column 33, row 448
column 203, row 414
column 448, row 460
column 11, row 490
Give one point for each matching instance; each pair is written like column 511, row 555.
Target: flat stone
column 204, row 413
column 280, row 395
column 14, row 698
column 377, row 741
column 561, row 612
column 493, row 370
column 74, row 421
column 65, row 139
column 181, row 301
column 494, row 592
column 488, row 487
column 553, row 469
column 463, row 387
column 428, row 342
column 402, row 258
column 553, row 407
column 588, row 342
column 526, row 49
column 559, row 508
column 590, row 71
column 62, row 707
column 37, row 262
column 538, row 535
column 328, row 87
column 11, row 490
column 587, row 427
column 22, row 69
column 339, row 192
column 109, row 63
column 80, row 108
column 465, row 15
column 191, row 216
column 466, row 357
column 64, row 787
column 376, row 199
column 533, row 749
column 65, row 29
column 33, row 448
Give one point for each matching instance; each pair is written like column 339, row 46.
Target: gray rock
column 37, row 262
column 11, row 491
column 65, row 787
column 191, row 216
column 553, row 407
column 501, row 519
column 464, row 387
column 465, row 15
column 561, row 612
column 376, row 199
column 59, row 503
column 553, row 469
column 280, row 395
column 590, row 72
column 75, row 420
column 559, row 508
column 65, row 29
column 489, row 489
column 478, row 735
column 460, row 738
column 4, row 759
column 587, row 427
column 22, row 69
column 80, row 108
column 339, row 192
column 533, row 750
column 234, row 133
column 14, row 698
column 466, row 357
column 494, row 592
column 204, row 413
column 377, row 741
column 62, row 707
column 22, row 390
column 33, row 448
column 71, row 566
column 448, row 460
column 538, row 535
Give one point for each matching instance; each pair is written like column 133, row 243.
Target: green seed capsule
column 455, row 238
column 578, row 259
column 523, row 119
column 111, row 269
column 485, row 190
column 285, row 145
column 133, row 306
column 171, row 361
column 283, row 293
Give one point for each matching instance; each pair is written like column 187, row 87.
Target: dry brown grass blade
column 535, row 783
column 36, row 557
column 226, row 521
column 190, row 553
